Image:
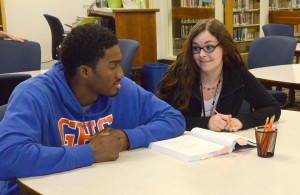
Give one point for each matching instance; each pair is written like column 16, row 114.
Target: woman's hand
column 222, row 122
column 234, row 125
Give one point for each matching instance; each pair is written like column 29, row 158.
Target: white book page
column 188, row 148
column 250, row 141
column 229, row 139
column 216, row 137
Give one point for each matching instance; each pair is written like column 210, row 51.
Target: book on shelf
column 243, row 4
column 296, row 28
column 197, row 3
column 202, row 144
column 243, row 34
column 295, row 4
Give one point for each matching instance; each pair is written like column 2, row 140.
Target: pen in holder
column 266, row 139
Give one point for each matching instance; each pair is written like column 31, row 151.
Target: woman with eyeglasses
column 209, row 81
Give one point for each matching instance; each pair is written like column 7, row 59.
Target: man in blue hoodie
column 83, row 110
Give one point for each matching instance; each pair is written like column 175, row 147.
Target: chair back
column 271, row 50
column 8, row 82
column 57, row 32
column 278, row 30
column 2, row 111
column 128, row 49
column 19, row 56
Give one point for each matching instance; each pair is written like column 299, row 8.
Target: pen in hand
column 227, row 121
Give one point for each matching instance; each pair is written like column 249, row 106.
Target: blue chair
column 272, row 51
column 128, row 49
column 8, row 82
column 282, row 30
column 19, row 56
column 2, row 111
column 16, row 57
column 278, row 30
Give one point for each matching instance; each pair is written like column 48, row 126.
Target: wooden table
column 147, row 172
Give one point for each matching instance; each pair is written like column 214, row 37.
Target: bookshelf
column 2, row 16
column 280, row 4
column 184, row 15
column 287, row 12
column 243, row 21
column 172, row 16
column 295, row 4
column 291, row 17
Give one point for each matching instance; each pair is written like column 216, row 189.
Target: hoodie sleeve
column 22, row 131
column 157, row 120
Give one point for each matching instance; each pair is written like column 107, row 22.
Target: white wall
column 25, row 18
column 163, row 27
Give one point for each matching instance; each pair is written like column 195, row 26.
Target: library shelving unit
column 288, row 12
column 242, row 19
column 184, row 16
column 2, row 16
column 280, row 4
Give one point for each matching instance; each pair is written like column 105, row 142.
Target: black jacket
column 238, row 85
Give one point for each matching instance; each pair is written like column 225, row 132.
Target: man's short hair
column 85, row 45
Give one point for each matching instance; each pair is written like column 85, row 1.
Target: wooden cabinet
column 184, row 16
column 137, row 24
column 2, row 16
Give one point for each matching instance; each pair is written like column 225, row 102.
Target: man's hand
column 107, row 144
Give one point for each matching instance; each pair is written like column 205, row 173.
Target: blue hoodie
column 45, row 130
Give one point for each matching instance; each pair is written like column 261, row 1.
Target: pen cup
column 266, row 141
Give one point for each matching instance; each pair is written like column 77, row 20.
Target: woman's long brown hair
column 177, row 85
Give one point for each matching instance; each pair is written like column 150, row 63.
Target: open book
column 201, row 144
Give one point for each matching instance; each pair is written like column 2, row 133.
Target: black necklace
column 214, row 100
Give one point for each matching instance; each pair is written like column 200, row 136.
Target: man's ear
column 84, row 71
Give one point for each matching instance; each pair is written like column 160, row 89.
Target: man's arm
column 22, row 132
column 151, row 119
column 10, row 36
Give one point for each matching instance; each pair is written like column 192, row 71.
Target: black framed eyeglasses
column 207, row 48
